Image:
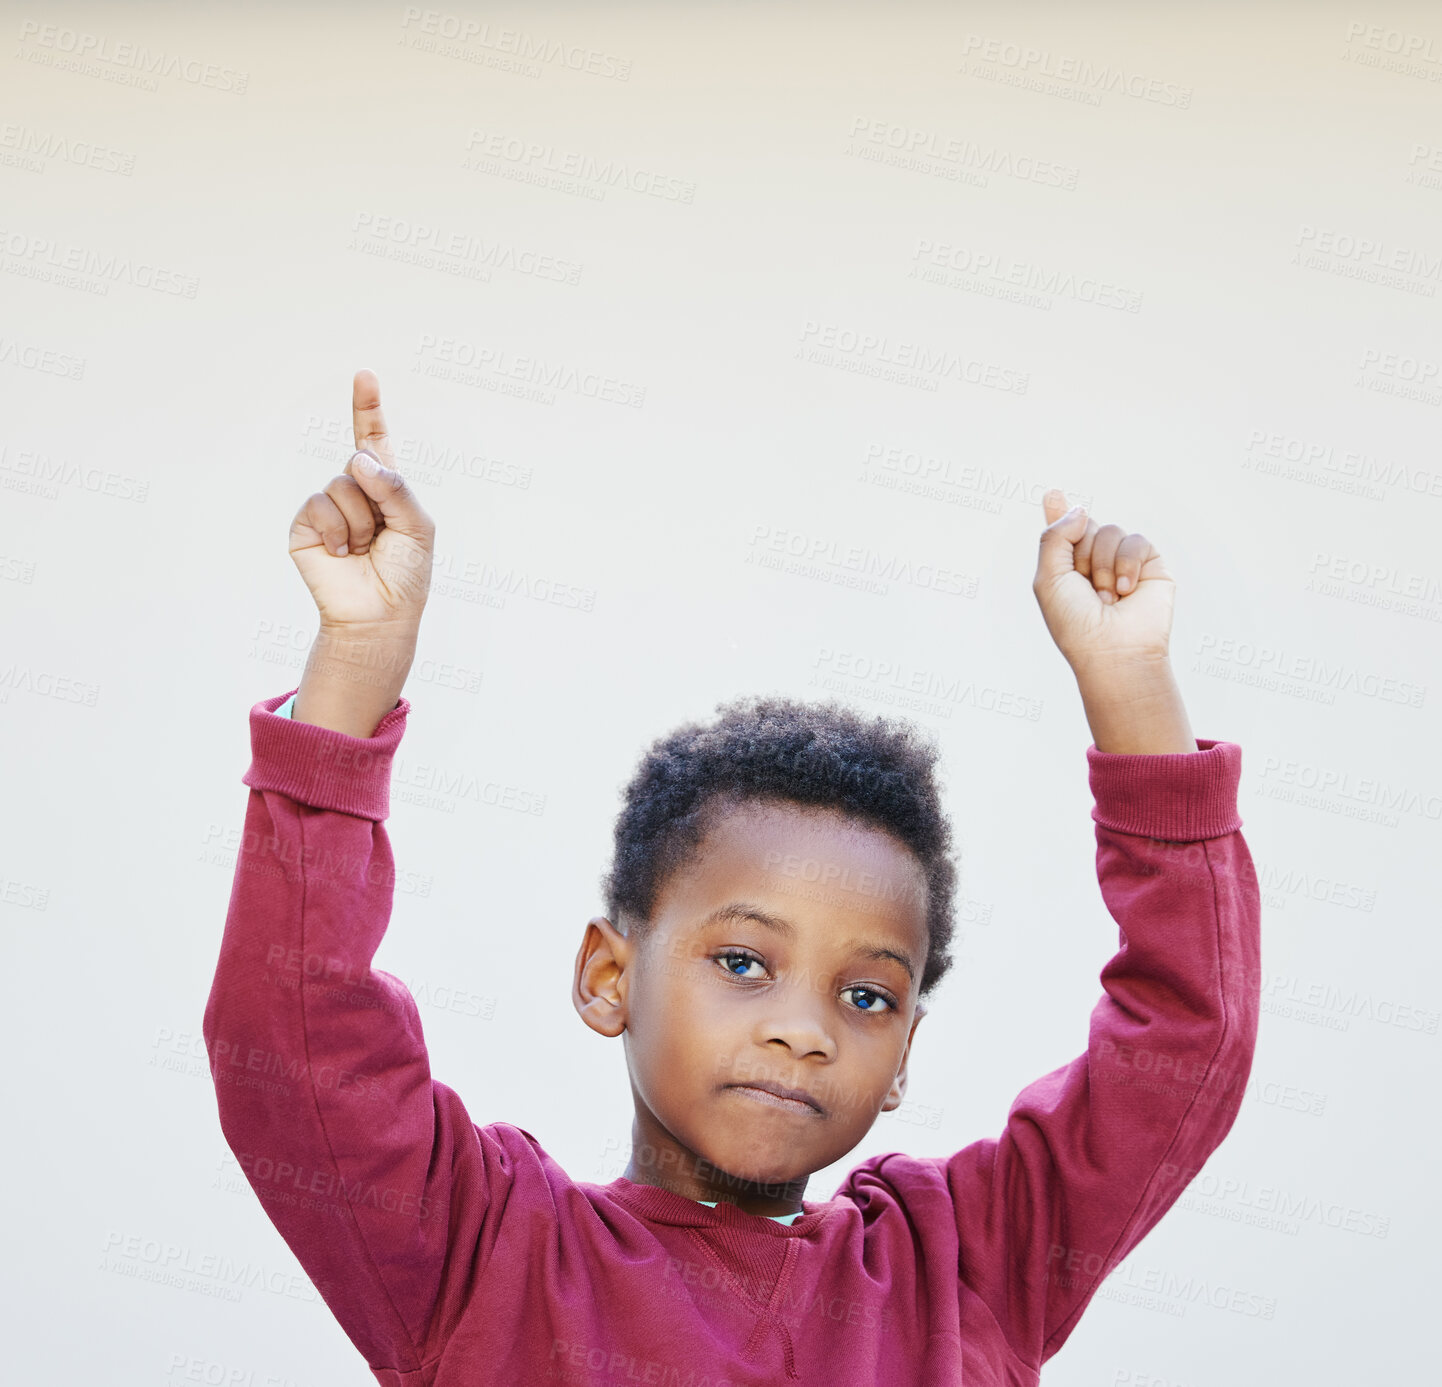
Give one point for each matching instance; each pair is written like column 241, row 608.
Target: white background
column 1262, row 183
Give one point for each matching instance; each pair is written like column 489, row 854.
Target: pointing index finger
column 370, row 423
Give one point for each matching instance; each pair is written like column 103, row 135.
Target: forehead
column 806, row 863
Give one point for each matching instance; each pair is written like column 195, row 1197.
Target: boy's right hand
column 364, row 545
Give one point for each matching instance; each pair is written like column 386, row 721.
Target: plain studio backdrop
column 731, row 347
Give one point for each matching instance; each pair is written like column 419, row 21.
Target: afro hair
column 763, row 748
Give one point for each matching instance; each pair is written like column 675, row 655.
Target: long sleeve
column 1095, row 1152
column 371, row 1171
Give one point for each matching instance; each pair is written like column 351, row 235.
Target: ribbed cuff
column 321, row 767
column 1178, row 797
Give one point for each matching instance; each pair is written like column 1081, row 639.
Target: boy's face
column 786, row 952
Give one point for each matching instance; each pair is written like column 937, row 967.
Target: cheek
column 682, row 1020
column 711, row 1036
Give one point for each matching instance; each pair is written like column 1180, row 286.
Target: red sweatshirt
column 457, row 1255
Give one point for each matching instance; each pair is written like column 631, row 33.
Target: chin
column 767, row 1169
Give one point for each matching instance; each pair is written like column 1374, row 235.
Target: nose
column 798, row 1025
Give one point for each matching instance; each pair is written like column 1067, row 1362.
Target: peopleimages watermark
column 489, row 584
column 459, row 253
column 1277, row 1201
column 184, row 1368
column 253, row 1066
column 47, row 360
column 132, row 64
column 40, row 474
column 1375, row 584
column 841, row 878
column 569, row 1359
column 1393, row 50
column 446, row 787
column 278, row 1179
column 1280, row 884
column 970, row 484
column 1323, row 464
column 1401, row 375
column 45, row 683
column 999, row 276
column 851, row 565
column 14, row 569
column 209, row 1273
column 290, row 646
column 1338, row 791
column 959, row 160
column 80, row 267
column 1078, row 1268
column 421, row 460
column 903, row 363
column 1364, row 258
column 21, row 146
column 420, row 28
column 1264, row 665
column 1429, row 156
column 23, row 894
column 919, row 689
column 1019, row 64
column 567, row 170
column 526, row 377
column 1334, row 1006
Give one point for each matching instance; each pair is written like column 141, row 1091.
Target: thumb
column 1055, row 556
column 390, row 493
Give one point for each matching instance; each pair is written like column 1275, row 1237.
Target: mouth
column 779, row 1096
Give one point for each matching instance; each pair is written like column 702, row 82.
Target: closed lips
column 794, row 1097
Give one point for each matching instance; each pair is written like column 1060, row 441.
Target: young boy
column 779, row 906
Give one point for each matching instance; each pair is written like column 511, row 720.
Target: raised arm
column 321, row 1076
column 368, row 1168
column 1096, row 1151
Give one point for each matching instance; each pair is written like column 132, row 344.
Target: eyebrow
column 740, row 910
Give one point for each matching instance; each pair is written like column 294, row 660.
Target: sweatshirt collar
column 659, row 1205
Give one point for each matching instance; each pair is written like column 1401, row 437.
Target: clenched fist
column 1105, row 594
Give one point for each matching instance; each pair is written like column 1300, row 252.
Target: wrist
column 1097, row 667
column 354, row 677
column 1134, row 707
column 358, row 652
column 372, row 634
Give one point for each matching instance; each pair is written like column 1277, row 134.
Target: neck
column 700, row 1180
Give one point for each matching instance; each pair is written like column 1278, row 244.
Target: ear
column 598, row 987
column 898, row 1085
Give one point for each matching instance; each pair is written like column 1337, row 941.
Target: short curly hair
column 769, row 748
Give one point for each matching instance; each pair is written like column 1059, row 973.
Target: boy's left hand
column 1106, row 595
